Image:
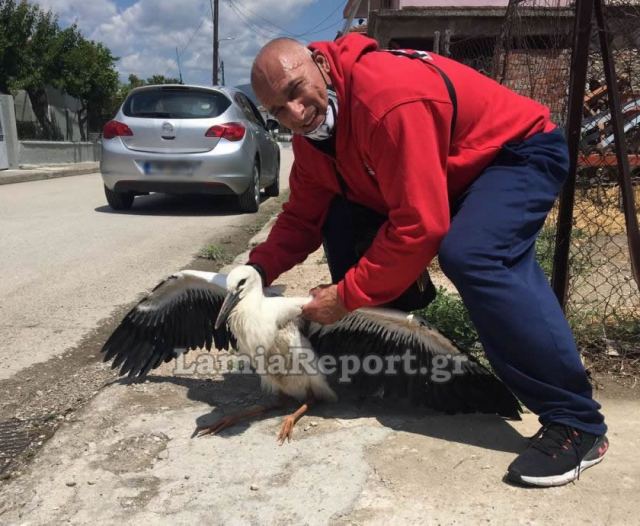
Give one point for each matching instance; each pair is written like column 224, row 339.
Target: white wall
column 10, row 143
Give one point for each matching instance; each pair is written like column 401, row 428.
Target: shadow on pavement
column 238, row 391
column 179, row 205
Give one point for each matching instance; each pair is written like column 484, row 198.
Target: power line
column 245, row 14
column 191, row 38
column 264, row 32
column 322, row 29
column 308, row 31
column 193, row 34
column 247, row 10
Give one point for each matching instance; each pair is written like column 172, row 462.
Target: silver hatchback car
column 188, row 139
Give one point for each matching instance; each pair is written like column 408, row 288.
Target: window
column 248, row 108
column 176, row 103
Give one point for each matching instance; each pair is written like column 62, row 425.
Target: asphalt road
column 67, row 261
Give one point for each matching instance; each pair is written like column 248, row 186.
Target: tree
column 161, row 79
column 35, row 53
column 40, row 67
column 90, row 75
column 16, row 24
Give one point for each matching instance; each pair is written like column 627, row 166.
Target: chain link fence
column 532, row 56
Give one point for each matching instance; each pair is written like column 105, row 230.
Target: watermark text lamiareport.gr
column 301, row 360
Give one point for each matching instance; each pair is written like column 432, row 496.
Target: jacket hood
column 342, row 54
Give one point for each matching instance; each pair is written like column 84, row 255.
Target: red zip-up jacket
column 395, row 153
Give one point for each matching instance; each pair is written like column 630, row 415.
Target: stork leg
column 286, row 431
column 233, row 419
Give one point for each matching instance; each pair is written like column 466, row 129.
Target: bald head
column 290, row 82
column 281, row 52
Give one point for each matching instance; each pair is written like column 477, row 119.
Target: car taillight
column 232, row 131
column 115, row 129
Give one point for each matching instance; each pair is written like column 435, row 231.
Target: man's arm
column 298, row 230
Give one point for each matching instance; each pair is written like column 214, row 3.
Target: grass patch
column 545, row 245
column 448, row 314
column 213, row 253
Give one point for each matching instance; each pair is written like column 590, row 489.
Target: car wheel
column 119, row 200
column 273, row 190
column 249, row 200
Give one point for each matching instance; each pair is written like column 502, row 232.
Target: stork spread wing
column 179, row 314
column 418, row 362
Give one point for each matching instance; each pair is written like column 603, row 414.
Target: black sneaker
column 557, row 455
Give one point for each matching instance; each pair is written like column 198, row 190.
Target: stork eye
column 242, row 282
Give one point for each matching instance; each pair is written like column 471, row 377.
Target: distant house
column 528, row 52
column 467, row 30
column 524, row 45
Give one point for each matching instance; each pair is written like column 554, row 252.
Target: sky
column 144, row 34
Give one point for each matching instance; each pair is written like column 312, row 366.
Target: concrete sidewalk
column 32, row 172
column 129, row 457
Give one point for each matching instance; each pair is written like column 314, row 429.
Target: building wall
column 401, row 4
column 62, row 110
column 58, row 152
column 375, row 5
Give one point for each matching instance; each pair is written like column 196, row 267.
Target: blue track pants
column 489, row 255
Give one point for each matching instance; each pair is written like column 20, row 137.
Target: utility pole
column 214, row 76
column 222, row 72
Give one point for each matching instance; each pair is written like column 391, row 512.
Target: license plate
column 168, row 168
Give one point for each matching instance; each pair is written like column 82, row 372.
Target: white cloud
column 145, row 34
column 85, row 14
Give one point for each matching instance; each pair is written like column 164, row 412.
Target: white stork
column 193, row 309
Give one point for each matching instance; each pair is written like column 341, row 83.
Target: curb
column 28, row 175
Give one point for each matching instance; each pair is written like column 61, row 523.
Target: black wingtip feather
column 149, row 333
column 471, row 389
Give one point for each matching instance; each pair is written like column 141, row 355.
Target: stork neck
column 248, row 308
column 250, row 324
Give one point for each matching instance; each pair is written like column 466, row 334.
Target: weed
column 214, row 253
column 448, row 314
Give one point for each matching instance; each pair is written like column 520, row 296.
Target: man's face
column 290, row 86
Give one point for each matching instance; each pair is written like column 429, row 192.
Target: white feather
column 268, row 326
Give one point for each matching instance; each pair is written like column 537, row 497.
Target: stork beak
column 230, row 301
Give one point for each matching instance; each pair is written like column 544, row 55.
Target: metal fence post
column 579, row 61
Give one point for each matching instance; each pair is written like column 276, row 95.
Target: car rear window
column 176, row 103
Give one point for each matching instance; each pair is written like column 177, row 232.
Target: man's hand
column 326, row 306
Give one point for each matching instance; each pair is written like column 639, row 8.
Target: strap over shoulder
column 428, row 59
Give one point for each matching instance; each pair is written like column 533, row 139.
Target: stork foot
column 231, row 420
column 218, row 425
column 286, row 431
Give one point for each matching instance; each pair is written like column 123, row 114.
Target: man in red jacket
column 455, row 165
